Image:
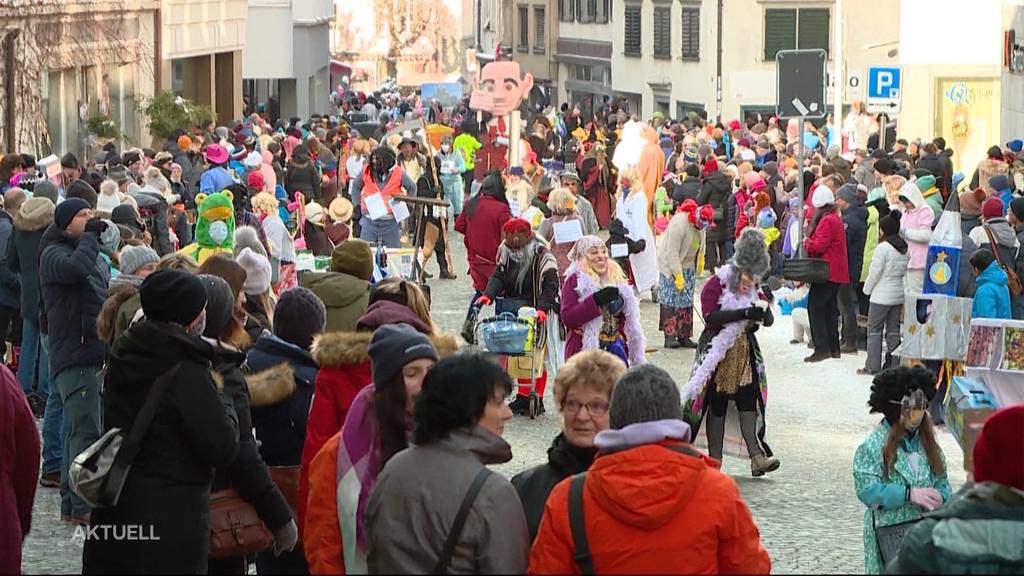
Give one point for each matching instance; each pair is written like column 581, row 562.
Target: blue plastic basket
column 505, row 334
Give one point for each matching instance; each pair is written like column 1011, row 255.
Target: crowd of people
column 328, row 405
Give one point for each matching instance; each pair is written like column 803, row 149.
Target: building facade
column 532, row 37
column 201, row 44
column 584, row 52
column 55, row 77
column 286, row 63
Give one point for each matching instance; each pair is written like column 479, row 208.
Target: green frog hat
column 215, row 221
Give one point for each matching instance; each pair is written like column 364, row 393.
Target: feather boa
column 724, row 340
column 586, row 287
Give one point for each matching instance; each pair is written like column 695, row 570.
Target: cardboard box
column 968, row 405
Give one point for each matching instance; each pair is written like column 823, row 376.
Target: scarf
column 526, row 261
column 641, row 433
column 724, row 340
column 358, row 466
column 586, row 286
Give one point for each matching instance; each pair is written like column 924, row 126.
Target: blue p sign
column 884, row 83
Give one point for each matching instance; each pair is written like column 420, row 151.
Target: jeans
column 33, row 368
column 53, row 415
column 824, row 315
column 848, row 311
column 888, row 318
column 80, row 392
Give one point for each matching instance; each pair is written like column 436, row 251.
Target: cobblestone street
column 808, row 514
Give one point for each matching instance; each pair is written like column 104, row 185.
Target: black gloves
column 639, row 246
column 96, row 225
column 755, row 313
column 606, row 295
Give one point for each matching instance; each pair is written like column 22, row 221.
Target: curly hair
column 594, row 370
column 455, row 394
column 751, row 256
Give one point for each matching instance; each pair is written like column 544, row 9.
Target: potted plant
column 167, row 112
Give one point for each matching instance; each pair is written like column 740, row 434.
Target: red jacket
column 829, row 242
column 482, row 236
column 650, row 510
column 19, row 469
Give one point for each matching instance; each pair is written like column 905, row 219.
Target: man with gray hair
column 648, row 495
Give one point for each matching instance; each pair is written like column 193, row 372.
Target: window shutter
column 662, row 31
column 691, row 32
column 566, row 10
column 779, row 31
column 603, row 10
column 814, row 28
column 524, row 28
column 632, row 30
column 539, row 27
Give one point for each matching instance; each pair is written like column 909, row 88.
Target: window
column 632, row 30
column 586, row 11
column 566, row 10
column 524, row 29
column 663, row 32
column 691, row 33
column 604, row 9
column 584, row 73
column 538, row 26
column 788, row 29
column 683, row 109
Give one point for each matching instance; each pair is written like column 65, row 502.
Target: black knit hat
column 66, row 211
column 82, row 189
column 220, row 304
column 298, row 316
column 172, row 296
column 890, row 224
column 392, row 347
column 889, row 388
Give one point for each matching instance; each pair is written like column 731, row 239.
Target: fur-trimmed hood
column 337, row 349
column 271, row 386
column 34, row 215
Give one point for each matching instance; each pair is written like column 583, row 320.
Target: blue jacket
column 214, row 180
column 74, row 287
column 992, row 297
column 10, row 284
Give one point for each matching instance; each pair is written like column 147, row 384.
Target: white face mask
column 446, row 148
column 218, row 232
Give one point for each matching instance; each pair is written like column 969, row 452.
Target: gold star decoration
column 930, row 331
column 912, row 329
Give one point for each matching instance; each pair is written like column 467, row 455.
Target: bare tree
column 406, row 21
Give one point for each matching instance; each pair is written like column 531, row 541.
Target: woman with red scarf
column 677, row 264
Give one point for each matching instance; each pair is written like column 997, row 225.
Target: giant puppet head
column 499, row 88
column 215, row 226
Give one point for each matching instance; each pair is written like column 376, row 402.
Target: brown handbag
column 287, row 480
column 235, row 527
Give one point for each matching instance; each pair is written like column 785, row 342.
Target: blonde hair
column 614, row 275
column 561, row 201
column 265, row 203
column 414, row 297
column 594, row 370
column 178, row 261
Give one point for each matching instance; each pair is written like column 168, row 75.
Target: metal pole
column 479, row 19
column 718, row 74
column 800, row 188
column 838, row 79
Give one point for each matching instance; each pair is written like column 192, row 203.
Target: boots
column 687, row 343
column 672, row 343
column 716, row 435
column 761, row 464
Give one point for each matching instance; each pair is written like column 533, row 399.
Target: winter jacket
column 916, row 226
column 679, row 246
column 431, row 480
column 281, row 388
column 870, row 242
column 829, row 242
column 992, row 297
column 937, row 166
column 988, row 168
column 688, row 189
column 153, row 208
column 317, row 240
column 855, row 219
column 535, row 484
column 215, row 179
column 74, row 287
column 194, row 430
column 302, row 176
column 10, row 285
column 345, row 297
column 642, row 507
column 886, row 270
column 19, row 465
column 716, row 190
column 482, row 236
column 247, row 473
column 23, row 259
column 1005, row 236
column 958, row 538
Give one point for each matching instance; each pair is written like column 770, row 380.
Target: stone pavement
column 808, row 514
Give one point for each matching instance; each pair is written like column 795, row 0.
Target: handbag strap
column 460, row 521
column 995, row 247
column 124, row 457
column 581, row 555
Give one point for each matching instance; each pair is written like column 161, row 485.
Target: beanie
column 392, row 347
column 220, row 304
column 223, row 266
column 82, row 189
column 256, row 180
column 353, row 257
column 516, row 225
column 925, row 183
column 110, row 238
column 710, row 165
column 127, row 215
column 884, row 166
column 992, row 208
column 999, row 448
column 36, row 211
column 172, row 296
column 1015, row 145
column 1017, row 207
column 999, row 182
column 823, row 196
column 890, row 224
column 135, row 257
column 46, row 189
column 184, row 143
column 645, row 393
column 66, row 211
column 257, row 271
column 298, row 316
column 248, row 237
column 848, row 193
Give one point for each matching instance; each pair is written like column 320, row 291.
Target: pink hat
column 267, row 157
column 216, row 154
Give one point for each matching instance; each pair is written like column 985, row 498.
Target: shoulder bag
column 98, row 474
column 460, row 522
column 890, row 538
column 235, row 526
column 1012, row 280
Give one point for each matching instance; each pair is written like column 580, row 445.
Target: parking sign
column 884, row 89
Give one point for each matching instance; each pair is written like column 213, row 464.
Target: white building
column 286, row 62
column 584, row 52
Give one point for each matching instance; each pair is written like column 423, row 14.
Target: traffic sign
column 801, row 84
column 884, row 89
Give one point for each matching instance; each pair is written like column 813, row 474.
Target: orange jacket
column 322, row 535
column 650, row 510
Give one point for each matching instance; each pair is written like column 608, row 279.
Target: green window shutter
column 632, row 30
column 662, row 31
column 779, row 31
column 814, row 28
column 691, row 32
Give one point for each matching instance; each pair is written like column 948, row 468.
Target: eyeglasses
column 596, row 407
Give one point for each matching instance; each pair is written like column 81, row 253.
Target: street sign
column 854, row 86
column 801, row 84
column 884, row 89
